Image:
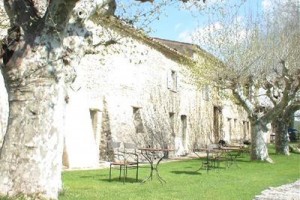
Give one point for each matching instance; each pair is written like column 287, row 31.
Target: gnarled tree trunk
column 281, row 136
column 259, row 149
column 280, row 126
column 45, row 44
column 31, row 155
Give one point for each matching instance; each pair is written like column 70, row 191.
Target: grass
column 183, row 182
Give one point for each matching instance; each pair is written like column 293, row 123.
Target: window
column 94, row 118
column 183, row 128
column 246, row 129
column 216, row 122
column 172, row 122
column 229, row 127
column 172, row 80
column 235, row 124
column 206, row 93
column 137, row 120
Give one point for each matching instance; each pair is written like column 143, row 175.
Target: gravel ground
column 284, row 192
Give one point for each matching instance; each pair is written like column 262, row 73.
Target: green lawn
column 184, row 183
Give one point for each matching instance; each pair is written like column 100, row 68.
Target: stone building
column 132, row 88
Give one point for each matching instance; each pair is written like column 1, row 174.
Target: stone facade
column 138, row 90
column 131, row 88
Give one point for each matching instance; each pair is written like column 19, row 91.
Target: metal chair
column 220, row 156
column 123, row 158
column 217, row 155
column 132, row 158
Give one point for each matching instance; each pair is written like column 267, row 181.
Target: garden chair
column 218, row 157
column 209, row 162
column 132, row 158
column 124, row 158
column 215, row 157
column 213, row 148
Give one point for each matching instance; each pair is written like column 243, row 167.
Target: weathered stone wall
column 128, row 76
column 236, row 126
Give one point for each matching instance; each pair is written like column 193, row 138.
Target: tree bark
column 31, row 160
column 38, row 70
column 31, row 155
column 280, row 126
column 259, row 149
column 281, row 136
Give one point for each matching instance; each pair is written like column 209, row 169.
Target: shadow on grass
column 93, row 176
column 243, row 160
column 187, row 172
column 116, row 179
column 105, row 178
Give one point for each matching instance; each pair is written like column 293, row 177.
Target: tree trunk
column 31, row 155
column 281, row 136
column 259, row 149
column 280, row 126
column 38, row 69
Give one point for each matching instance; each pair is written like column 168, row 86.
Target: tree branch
column 287, row 95
column 245, row 102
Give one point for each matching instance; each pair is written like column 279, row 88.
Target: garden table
column 154, row 158
column 233, row 152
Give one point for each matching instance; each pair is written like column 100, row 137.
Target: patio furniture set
column 126, row 156
column 216, row 153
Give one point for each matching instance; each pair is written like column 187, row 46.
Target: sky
column 177, row 24
column 173, row 24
